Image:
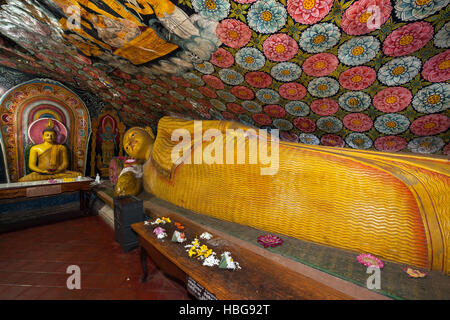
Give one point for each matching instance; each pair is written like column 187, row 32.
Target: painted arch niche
column 24, row 107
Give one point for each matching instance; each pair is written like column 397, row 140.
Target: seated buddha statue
column 49, row 160
column 392, row 205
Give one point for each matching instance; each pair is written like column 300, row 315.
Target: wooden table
column 33, row 189
column 258, row 279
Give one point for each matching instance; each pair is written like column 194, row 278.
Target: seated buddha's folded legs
column 34, row 176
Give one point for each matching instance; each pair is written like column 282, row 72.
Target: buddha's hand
column 127, row 185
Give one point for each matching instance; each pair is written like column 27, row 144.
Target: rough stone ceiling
column 365, row 74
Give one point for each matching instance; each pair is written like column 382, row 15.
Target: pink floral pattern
column 369, row 260
column 262, row 119
column 332, row 140
column 243, row 93
column 213, row 82
column 280, row 47
column 358, row 122
column 321, row 64
column 408, row 39
column 233, row 33
column 324, row 107
column 292, row 91
column 234, row 107
column 304, row 124
column 229, row 116
column 358, row 19
column 392, row 99
column 309, row 11
column 430, row 125
column 275, row 111
column 390, row 143
column 288, row 136
column 437, row 69
column 357, row 78
column 258, row 79
column 207, row 92
column 181, row 81
column 222, row 58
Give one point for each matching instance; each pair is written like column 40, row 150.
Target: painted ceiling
column 364, row 74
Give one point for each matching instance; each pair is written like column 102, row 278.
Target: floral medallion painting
column 362, row 74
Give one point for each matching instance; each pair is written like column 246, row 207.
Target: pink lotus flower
column 183, row 92
column 262, row 119
column 309, row 11
column 234, row 107
column 258, row 79
column 392, row 99
column 357, row 20
column 408, row 39
column 324, row 107
column 233, row 33
column 292, row 91
column 321, row 64
column 275, row 111
column 207, row 92
column 358, row 122
column 304, row 124
column 269, row 240
column 332, row 140
column 243, row 93
column 222, row 58
column 357, row 78
column 370, row 261
column 437, row 69
column 213, row 82
column 430, row 125
column 390, row 143
column 280, row 47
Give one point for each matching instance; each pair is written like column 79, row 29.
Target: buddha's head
column 138, row 142
column 49, row 135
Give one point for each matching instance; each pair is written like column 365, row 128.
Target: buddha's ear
column 150, row 132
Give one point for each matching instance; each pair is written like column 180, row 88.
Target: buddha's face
column 136, row 143
column 49, row 137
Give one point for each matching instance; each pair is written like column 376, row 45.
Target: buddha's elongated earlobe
column 150, row 132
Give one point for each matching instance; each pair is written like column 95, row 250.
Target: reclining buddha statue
column 395, row 206
column 49, row 160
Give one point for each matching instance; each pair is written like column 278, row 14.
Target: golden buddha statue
column 49, row 160
column 392, row 205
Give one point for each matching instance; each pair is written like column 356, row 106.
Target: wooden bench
column 263, row 275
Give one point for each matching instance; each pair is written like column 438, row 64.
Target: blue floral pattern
column 319, row 37
column 323, row 87
column 282, row 124
column 212, row 9
column 251, row 106
column 358, row 50
column 268, row 96
column 432, row 99
column 286, row 71
column 297, row 108
column 354, row 101
column 250, row 58
column 194, row 79
column 205, row 67
column 399, row 71
column 308, row 138
column 442, row 37
column 391, row 123
column 358, row 141
column 226, row 96
column 426, row 145
column 329, row 124
column 231, row 77
column 409, row 10
column 266, row 16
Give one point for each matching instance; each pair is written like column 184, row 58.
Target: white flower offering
column 206, row 236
